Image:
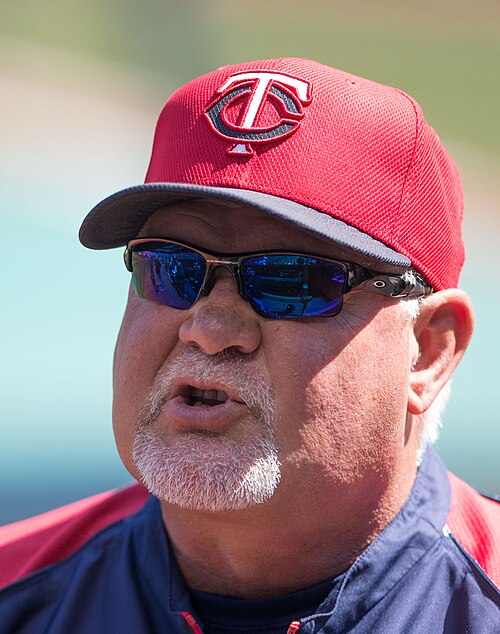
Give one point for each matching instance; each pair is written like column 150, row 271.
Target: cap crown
column 351, row 148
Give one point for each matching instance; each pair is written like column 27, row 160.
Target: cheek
column 348, row 402
column 299, row 360
column 147, row 337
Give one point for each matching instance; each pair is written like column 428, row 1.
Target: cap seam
column 394, row 234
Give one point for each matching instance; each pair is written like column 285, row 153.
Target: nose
column 222, row 320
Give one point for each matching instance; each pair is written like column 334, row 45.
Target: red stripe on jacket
column 475, row 521
column 40, row 541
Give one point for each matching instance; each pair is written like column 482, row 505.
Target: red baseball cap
column 342, row 157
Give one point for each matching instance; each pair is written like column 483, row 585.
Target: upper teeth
column 211, row 395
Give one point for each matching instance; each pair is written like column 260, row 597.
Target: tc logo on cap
column 247, row 99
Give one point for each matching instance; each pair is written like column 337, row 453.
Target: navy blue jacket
column 415, row 577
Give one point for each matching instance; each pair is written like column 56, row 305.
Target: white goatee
column 204, row 471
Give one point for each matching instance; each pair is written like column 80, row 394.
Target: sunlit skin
column 349, row 393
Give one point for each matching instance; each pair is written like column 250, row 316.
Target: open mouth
column 205, row 398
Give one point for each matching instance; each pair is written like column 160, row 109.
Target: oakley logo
column 258, row 107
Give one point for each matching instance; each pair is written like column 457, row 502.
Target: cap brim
column 119, row 218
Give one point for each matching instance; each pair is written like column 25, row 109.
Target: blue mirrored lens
column 288, row 286
column 171, row 275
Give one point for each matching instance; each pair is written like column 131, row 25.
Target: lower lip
column 216, row 418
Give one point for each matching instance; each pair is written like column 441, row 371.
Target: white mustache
column 228, row 368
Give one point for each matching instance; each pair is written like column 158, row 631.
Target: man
column 291, row 329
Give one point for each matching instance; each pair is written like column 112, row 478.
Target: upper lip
column 183, row 386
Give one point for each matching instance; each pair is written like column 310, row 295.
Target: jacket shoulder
column 37, row 542
column 474, row 520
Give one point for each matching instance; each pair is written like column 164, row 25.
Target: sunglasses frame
column 358, row 278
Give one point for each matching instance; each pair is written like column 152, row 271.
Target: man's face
column 217, row 408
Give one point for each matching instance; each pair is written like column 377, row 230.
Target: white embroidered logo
column 256, row 88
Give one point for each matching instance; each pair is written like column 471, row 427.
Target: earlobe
column 441, row 334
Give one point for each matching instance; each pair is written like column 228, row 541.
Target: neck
column 283, row 545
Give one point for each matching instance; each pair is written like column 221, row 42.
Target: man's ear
column 441, row 333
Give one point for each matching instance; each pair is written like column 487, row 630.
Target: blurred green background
column 82, row 83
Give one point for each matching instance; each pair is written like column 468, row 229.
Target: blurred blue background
column 82, row 83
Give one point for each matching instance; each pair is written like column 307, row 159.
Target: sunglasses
column 276, row 285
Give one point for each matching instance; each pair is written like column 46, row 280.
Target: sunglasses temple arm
column 407, row 285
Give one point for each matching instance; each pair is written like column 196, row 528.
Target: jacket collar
column 407, row 538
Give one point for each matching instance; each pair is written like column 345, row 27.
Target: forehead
column 230, row 227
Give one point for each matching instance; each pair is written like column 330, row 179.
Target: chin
column 207, row 473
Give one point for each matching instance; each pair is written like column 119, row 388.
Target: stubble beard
column 209, row 472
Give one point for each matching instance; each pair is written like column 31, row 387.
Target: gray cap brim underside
column 119, row 218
